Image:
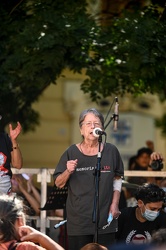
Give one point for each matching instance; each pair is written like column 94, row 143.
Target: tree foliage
column 38, row 41
column 41, row 38
column 129, row 56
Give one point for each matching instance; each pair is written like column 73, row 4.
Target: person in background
column 13, row 229
column 142, row 159
column 150, row 144
column 162, row 183
column 136, row 224
column 93, row 246
column 159, row 238
column 154, row 156
column 77, row 170
column 133, row 159
column 10, row 156
column 30, row 195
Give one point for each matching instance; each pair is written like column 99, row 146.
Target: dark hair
column 11, row 208
column 150, row 193
column 144, row 150
column 93, row 111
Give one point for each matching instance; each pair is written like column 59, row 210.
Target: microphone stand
column 95, row 217
column 113, row 117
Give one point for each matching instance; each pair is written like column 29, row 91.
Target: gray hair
column 93, row 111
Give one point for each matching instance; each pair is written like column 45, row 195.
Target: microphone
column 60, row 224
column 98, row 131
column 116, row 115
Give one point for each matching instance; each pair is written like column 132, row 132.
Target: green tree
column 41, row 38
column 38, row 40
column 129, row 56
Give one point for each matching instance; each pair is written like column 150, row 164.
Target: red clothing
column 26, row 245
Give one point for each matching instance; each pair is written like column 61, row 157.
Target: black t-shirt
column 81, row 189
column 5, row 153
column 131, row 230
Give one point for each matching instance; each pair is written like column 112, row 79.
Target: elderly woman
column 78, row 168
column 14, row 234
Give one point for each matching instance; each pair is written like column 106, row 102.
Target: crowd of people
column 18, row 198
column 98, row 207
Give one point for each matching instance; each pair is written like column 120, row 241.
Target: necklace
column 81, row 149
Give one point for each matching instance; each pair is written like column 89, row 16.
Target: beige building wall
column 42, row 148
column 59, row 108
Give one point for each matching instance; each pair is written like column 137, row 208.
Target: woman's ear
column 81, row 131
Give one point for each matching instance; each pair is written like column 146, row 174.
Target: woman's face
column 90, row 122
column 14, row 182
column 18, row 223
column 143, row 160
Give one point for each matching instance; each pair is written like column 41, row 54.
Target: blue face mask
column 150, row 215
column 164, row 188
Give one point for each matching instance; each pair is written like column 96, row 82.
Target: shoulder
column 161, row 217
column 5, row 139
column 73, row 146
column 27, row 245
column 70, row 148
column 110, row 146
column 128, row 211
column 4, row 135
column 126, row 217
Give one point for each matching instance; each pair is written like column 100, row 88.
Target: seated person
column 136, row 224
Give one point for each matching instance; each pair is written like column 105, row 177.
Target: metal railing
column 44, row 176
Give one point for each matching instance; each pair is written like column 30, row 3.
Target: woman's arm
column 61, row 180
column 114, row 207
column 31, row 188
column 28, row 233
column 16, row 156
column 28, row 196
